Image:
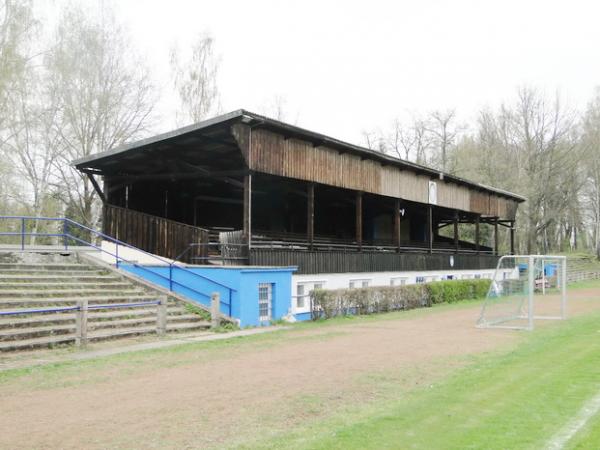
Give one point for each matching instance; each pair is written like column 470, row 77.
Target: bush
column 340, row 302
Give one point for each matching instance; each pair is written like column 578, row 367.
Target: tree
column 32, row 144
column 104, row 97
column 591, row 142
column 411, row 141
column 195, row 80
column 443, row 130
column 16, row 29
column 531, row 147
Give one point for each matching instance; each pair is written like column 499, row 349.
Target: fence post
column 215, row 310
column 23, row 233
column 563, row 289
column 65, row 230
column 531, row 290
column 161, row 316
column 81, row 317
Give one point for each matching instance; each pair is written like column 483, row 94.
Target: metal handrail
column 118, row 259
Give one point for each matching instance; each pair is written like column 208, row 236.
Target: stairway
column 30, row 282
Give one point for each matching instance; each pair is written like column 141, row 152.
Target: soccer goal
column 525, row 288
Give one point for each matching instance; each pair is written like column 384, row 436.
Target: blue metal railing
column 68, row 228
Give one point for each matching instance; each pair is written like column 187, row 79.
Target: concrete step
column 172, row 328
column 187, row 326
column 18, row 302
column 148, row 322
column 7, row 322
column 8, row 286
column 47, row 341
column 66, row 293
column 57, row 278
column 48, row 272
column 48, row 266
column 35, row 332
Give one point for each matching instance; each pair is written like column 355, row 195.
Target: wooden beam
column 397, row 240
column 496, row 237
column 430, row 228
column 214, row 199
column 247, row 219
column 512, row 238
column 96, row 187
column 456, row 231
column 310, row 214
column 359, row 221
column 477, row 234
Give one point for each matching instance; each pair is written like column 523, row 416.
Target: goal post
column 525, row 288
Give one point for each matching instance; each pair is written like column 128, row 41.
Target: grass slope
column 515, row 400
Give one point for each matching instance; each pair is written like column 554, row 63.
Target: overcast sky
column 347, row 66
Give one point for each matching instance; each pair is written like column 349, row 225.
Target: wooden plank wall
column 272, row 153
column 341, row 262
column 154, row 234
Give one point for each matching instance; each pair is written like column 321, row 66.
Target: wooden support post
column 397, row 241
column 512, row 237
column 310, row 215
column 81, row 317
column 456, row 231
column 430, row 228
column 496, row 236
column 477, row 233
column 161, row 316
column 96, row 187
column 215, row 310
column 247, row 220
column 359, row 217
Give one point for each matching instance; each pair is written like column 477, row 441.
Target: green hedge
column 340, row 302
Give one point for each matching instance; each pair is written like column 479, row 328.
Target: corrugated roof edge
column 276, row 124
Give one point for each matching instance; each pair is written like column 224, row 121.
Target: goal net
column 525, row 288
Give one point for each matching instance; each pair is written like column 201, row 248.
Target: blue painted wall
column 237, row 286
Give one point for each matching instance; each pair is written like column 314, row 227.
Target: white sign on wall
column 432, row 193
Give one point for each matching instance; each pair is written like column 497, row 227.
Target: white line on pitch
column 590, row 409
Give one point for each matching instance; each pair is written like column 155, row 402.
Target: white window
column 265, row 301
column 420, row 280
column 300, row 296
column 318, row 286
column 398, row 281
column 477, row 276
column 356, row 283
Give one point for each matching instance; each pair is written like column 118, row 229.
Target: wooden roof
column 215, row 135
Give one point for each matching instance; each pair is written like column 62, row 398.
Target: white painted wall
column 301, row 303
column 128, row 254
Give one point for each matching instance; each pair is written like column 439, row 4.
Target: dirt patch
column 202, row 402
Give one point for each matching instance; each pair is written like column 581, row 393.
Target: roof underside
column 211, row 143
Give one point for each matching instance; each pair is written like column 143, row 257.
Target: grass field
column 422, row 379
column 515, row 399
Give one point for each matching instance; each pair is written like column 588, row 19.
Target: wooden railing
column 153, row 234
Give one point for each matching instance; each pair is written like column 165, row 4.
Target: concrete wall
column 301, row 309
column 237, row 286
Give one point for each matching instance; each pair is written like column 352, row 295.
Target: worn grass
column 516, row 399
